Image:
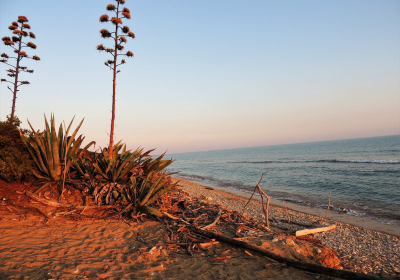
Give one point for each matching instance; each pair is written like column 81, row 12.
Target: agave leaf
column 151, row 191
column 34, row 152
column 163, row 164
column 72, row 137
column 160, row 193
column 96, row 166
column 147, row 153
column 88, row 145
column 38, row 175
column 40, row 150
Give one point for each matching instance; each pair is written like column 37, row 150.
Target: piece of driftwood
column 215, row 221
column 175, row 218
column 47, row 202
column 287, row 215
column 265, row 210
column 58, row 204
column 208, row 244
column 329, row 205
column 314, row 268
column 27, row 207
column 314, row 230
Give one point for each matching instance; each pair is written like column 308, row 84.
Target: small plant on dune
column 131, row 180
column 19, row 29
column 15, row 161
column 54, row 153
column 115, row 51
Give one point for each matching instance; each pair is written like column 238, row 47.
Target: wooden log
column 314, row 268
column 314, row 230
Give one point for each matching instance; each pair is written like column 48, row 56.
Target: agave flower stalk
column 116, row 50
column 19, row 29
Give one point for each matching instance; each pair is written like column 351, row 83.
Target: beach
column 362, row 244
column 62, row 247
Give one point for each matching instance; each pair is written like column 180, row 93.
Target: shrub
column 15, row 161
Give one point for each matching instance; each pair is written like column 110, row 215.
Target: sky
column 209, row 75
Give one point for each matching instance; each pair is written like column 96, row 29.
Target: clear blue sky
column 215, row 74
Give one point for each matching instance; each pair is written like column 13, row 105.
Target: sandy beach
column 51, row 243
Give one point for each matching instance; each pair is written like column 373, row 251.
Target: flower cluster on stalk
column 19, row 30
column 119, row 39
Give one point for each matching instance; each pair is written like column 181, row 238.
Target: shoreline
column 318, row 212
column 363, row 246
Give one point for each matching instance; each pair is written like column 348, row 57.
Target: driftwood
column 175, row 218
column 314, row 230
column 329, row 205
column 215, row 221
column 26, row 207
column 314, row 268
column 58, row 204
column 265, row 210
column 287, row 215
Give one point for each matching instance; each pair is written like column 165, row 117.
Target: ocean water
column 363, row 175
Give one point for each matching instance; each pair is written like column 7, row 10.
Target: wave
column 322, row 160
column 360, row 161
column 251, row 162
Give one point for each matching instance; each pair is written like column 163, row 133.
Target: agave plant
column 132, row 180
column 112, row 170
column 54, row 153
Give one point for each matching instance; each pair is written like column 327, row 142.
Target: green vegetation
column 54, row 153
column 132, row 180
column 15, row 162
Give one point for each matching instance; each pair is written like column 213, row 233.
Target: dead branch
column 261, row 192
column 47, row 202
column 215, row 221
column 329, row 205
column 16, row 205
column 287, row 215
column 175, row 218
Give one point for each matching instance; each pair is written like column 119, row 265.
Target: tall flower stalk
column 116, row 50
column 16, row 42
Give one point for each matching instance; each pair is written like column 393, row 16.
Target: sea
column 363, row 175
